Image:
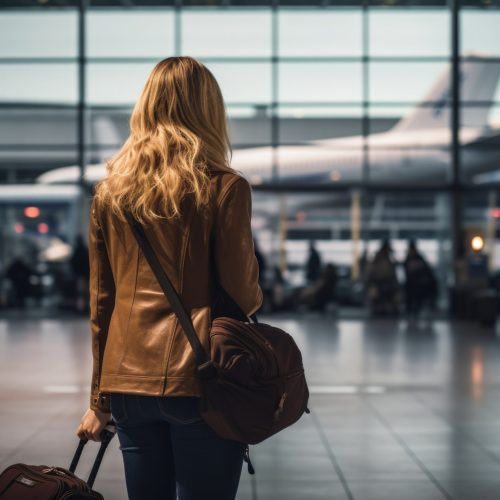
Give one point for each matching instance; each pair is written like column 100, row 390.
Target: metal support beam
column 456, row 192
column 81, row 122
column 81, row 89
column 275, row 123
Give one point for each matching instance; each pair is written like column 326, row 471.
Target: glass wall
column 348, row 102
column 480, row 98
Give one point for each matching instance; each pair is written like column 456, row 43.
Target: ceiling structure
column 235, row 3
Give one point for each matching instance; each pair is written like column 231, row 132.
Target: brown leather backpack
column 252, row 381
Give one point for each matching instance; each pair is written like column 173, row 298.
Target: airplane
column 415, row 150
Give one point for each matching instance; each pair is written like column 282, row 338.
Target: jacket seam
column 186, row 236
column 125, row 351
column 96, row 306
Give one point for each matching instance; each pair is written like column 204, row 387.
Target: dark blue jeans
column 169, row 450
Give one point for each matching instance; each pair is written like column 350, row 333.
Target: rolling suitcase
column 42, row 482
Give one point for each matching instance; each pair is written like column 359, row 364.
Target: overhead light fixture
column 477, row 243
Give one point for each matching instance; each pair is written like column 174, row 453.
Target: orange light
column 18, row 228
column 495, row 213
column 43, row 228
column 477, row 243
column 477, row 373
column 32, row 212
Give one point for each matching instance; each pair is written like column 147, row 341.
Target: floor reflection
column 400, row 410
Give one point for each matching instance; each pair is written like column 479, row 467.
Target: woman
column 173, row 174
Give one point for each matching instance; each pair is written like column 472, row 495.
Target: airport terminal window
column 425, row 217
column 29, row 126
column 479, row 32
column 482, row 218
column 326, row 219
column 479, row 120
column 405, row 32
column 314, row 90
column 315, row 122
column 249, row 125
column 495, row 112
column 399, row 152
column 311, row 146
column 257, row 163
column 47, row 83
column 405, row 82
column 116, row 83
column 106, row 129
column 415, row 165
column 243, row 82
column 332, row 82
column 331, row 32
column 482, row 69
column 479, row 113
column 135, row 33
column 242, row 33
column 38, row 34
column 320, row 163
column 474, row 117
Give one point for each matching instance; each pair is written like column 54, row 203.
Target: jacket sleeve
column 102, row 301
column 235, row 260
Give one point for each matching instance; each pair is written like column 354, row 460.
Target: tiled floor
column 399, row 411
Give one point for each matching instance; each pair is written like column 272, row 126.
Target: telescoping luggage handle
column 106, row 436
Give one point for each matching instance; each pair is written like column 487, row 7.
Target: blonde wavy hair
column 178, row 135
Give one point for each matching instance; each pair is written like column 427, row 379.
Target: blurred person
column 382, row 282
column 318, row 295
column 420, row 284
column 313, row 265
column 278, row 295
column 79, row 262
column 173, row 175
column 363, row 264
column 18, row 273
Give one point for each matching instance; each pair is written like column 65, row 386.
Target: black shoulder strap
column 168, row 290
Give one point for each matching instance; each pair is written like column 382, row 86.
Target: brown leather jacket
column 137, row 344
